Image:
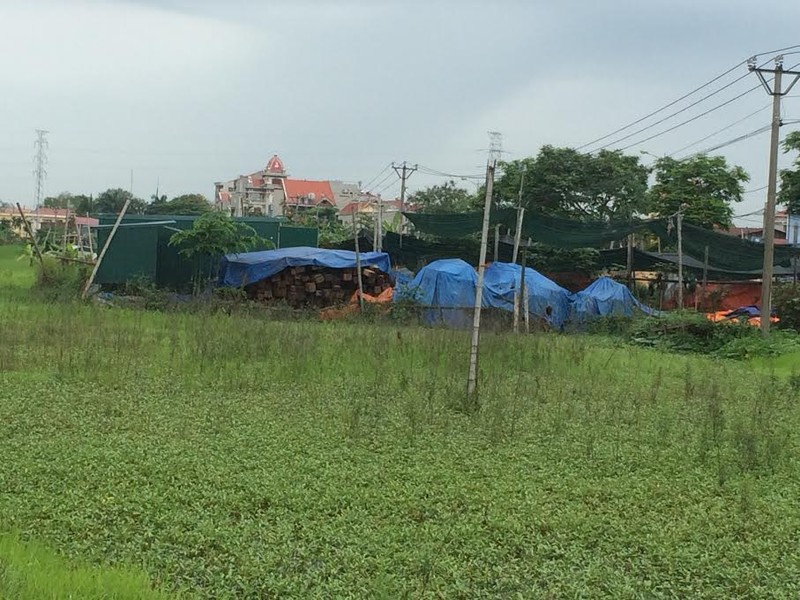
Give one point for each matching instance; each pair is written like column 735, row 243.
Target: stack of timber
column 318, row 286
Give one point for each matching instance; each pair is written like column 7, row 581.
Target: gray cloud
column 190, row 92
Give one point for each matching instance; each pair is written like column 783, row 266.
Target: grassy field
column 230, row 456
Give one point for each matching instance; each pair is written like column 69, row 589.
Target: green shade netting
column 725, row 252
column 552, row 231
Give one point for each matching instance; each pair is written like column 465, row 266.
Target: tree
column 187, row 204
column 80, row 203
column 214, row 234
column 565, row 183
column 63, row 200
column 331, row 231
column 446, row 198
column 790, row 178
column 83, row 204
column 112, row 201
column 706, row 185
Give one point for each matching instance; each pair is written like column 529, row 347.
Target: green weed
column 240, row 456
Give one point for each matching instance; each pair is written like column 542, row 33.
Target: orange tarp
column 719, row 316
column 329, row 314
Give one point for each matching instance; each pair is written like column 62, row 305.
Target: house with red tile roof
column 261, row 193
column 271, row 192
column 302, row 194
column 371, row 206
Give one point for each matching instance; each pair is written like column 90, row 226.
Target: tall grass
column 29, row 571
column 235, row 456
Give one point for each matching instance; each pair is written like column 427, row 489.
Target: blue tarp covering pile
column 606, row 298
column 547, row 301
column 447, row 288
column 246, row 268
column 402, row 277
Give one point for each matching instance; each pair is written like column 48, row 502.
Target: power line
column 709, row 136
column 674, row 102
column 753, row 191
column 382, row 171
column 687, row 121
column 674, row 114
column 750, row 214
column 389, row 185
column 703, row 114
column 429, row 171
column 663, row 108
column 736, row 140
column 380, row 183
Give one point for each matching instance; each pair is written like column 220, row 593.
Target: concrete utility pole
column 403, row 172
column 520, row 216
column 777, row 92
column 680, row 258
column 472, row 381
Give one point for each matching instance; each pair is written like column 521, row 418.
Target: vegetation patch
column 30, row 571
column 233, row 456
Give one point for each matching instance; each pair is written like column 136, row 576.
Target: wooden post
column 472, row 380
column 102, row 254
column 91, row 241
column 705, row 276
column 524, row 291
column 358, row 266
column 629, row 273
column 518, row 233
column 496, row 242
column 30, row 233
column 66, row 227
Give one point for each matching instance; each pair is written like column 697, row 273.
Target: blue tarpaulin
column 606, row 298
column 246, row 268
column 402, row 277
column 447, row 289
column 547, row 301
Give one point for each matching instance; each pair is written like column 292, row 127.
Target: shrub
column 786, row 302
column 214, row 234
column 692, row 332
column 58, row 280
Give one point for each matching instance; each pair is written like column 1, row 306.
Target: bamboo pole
column 358, row 265
column 102, row 254
column 27, row 226
column 472, row 379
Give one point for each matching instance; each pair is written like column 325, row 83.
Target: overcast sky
column 184, row 93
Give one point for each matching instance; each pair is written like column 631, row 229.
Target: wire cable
column 735, row 140
column 687, row 121
column 663, row 108
column 675, row 114
column 382, row 171
column 685, row 96
column 703, row 114
column 386, row 187
column 429, row 171
column 381, row 182
column 754, row 190
column 709, row 136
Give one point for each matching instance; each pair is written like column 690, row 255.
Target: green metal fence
column 140, row 248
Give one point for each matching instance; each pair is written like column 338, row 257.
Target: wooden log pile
column 317, row 286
